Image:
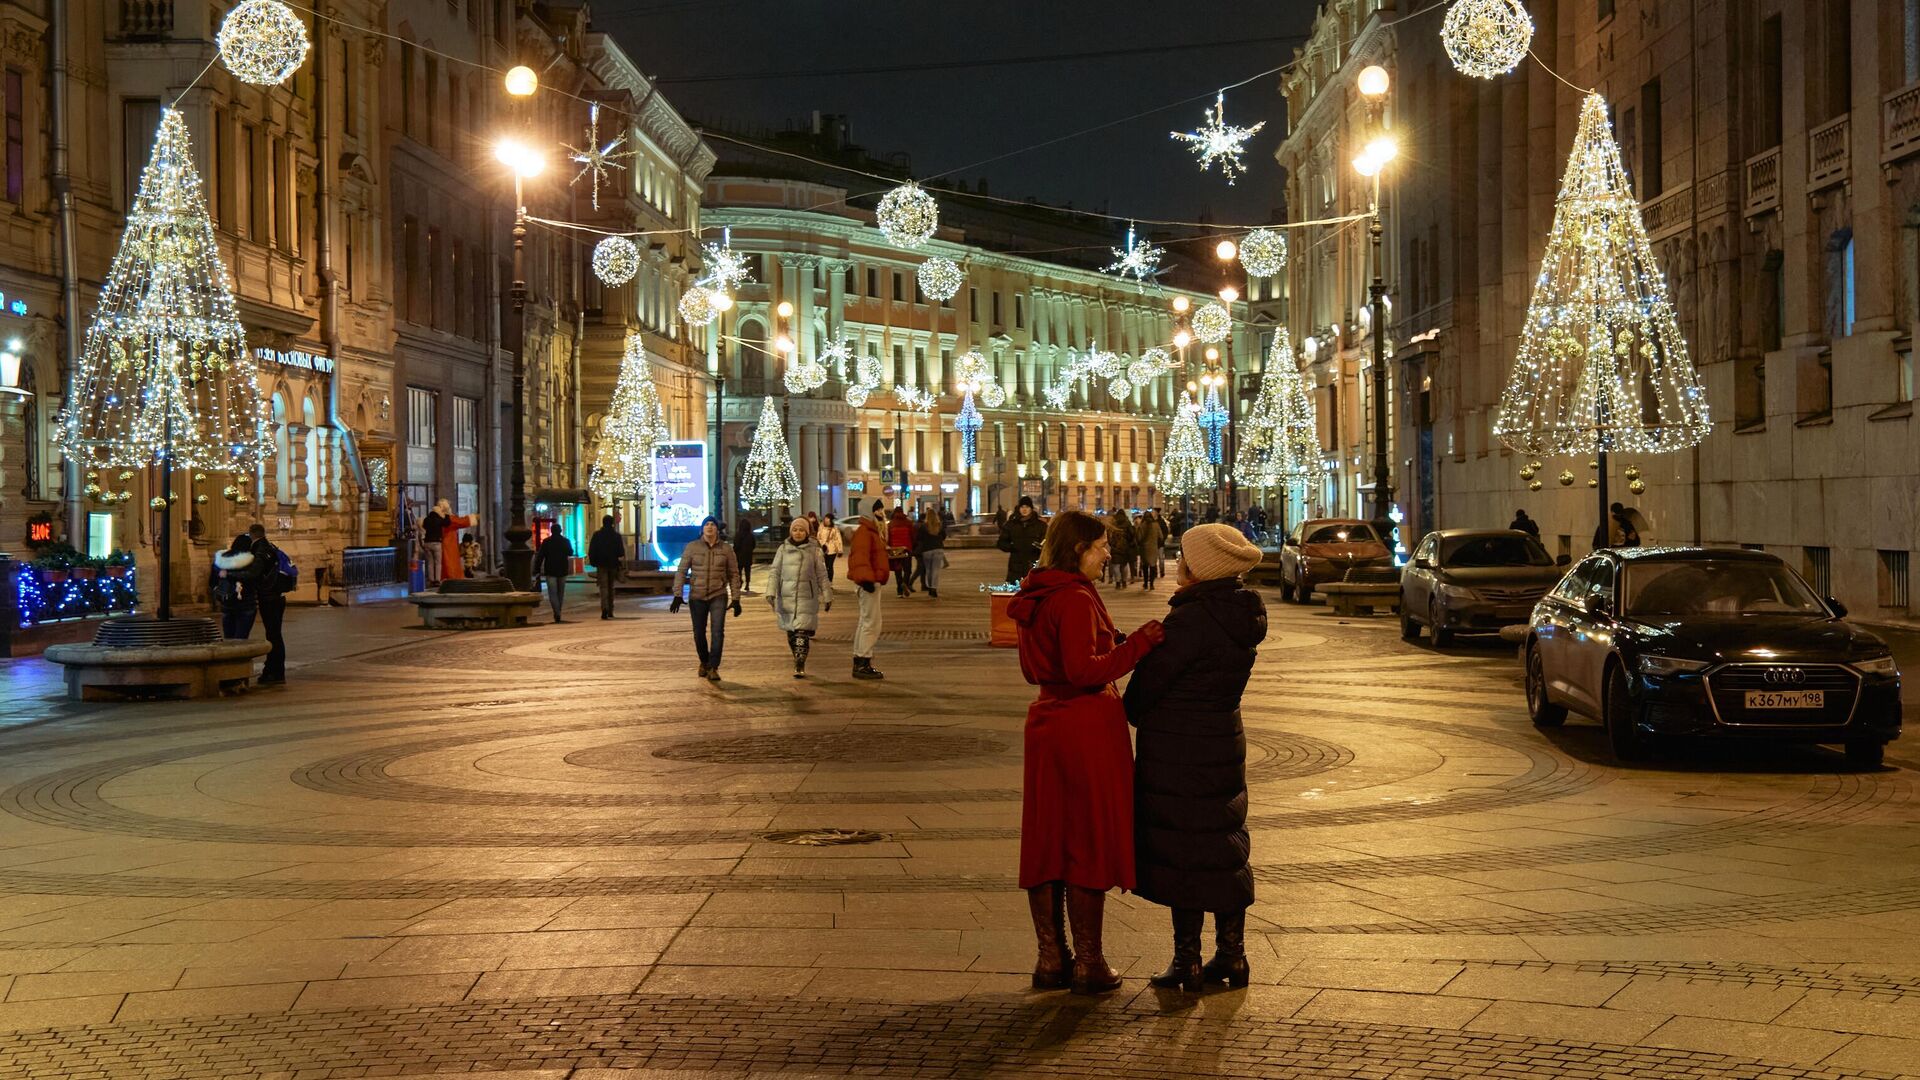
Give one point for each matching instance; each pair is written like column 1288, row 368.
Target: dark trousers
column 236, row 622
column 709, row 629
column 830, row 559
column 273, row 609
column 902, row 571
column 605, row 580
column 746, row 569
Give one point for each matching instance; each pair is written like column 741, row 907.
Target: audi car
column 1474, row 581
column 1714, row 642
column 1320, row 550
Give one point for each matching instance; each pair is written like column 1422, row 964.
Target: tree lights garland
column 262, row 42
column 615, row 260
column 1279, row 437
column 1219, row 141
column 907, row 215
column 968, row 423
column 1602, row 365
column 594, row 158
column 769, row 478
column 1263, row 253
column 940, row 278
column 1211, row 323
column 166, row 361
column 1184, row 468
column 1139, row 260
column 635, row 425
column 1486, row 38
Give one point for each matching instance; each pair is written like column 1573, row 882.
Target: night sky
column 953, row 117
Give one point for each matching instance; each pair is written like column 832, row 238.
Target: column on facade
column 803, row 310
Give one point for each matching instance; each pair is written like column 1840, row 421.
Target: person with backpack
column 277, row 578
column 234, row 584
column 605, row 552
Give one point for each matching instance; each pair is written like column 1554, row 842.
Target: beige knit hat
column 1217, row 551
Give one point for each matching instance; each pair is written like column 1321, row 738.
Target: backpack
column 285, row 575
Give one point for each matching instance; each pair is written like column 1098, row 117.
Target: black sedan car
column 1474, row 581
column 1713, row 642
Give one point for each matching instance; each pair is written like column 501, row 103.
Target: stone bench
column 654, row 582
column 474, row 610
column 106, row 672
column 1361, row 597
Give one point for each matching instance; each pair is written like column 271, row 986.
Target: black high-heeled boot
column 1184, row 971
column 1229, row 963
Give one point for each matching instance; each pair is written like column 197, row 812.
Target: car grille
column 1512, row 596
column 1730, row 684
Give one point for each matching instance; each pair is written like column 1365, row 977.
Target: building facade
column 1772, row 148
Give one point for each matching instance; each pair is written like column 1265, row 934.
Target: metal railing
column 146, row 18
column 1669, row 212
column 1830, row 153
column 1763, row 182
column 1900, row 123
column 363, row 567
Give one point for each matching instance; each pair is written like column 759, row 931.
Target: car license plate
column 1786, row 699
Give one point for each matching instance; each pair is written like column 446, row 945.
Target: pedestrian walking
column 744, row 543
column 1523, row 523
column 1021, row 537
column 867, row 567
column 798, row 591
column 1120, row 539
column 556, row 562
column 900, row 550
column 831, row 545
column 1149, row 533
column 1076, row 807
column 1190, row 766
column 234, row 584
column 605, row 552
column 710, row 576
column 277, row 577
column 930, row 545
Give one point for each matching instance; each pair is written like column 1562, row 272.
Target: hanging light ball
column 1638, row 487
column 1263, row 253
column 856, row 395
column 970, row 367
column 867, row 371
column 1533, row 485
column 1566, row 477
column 696, row 306
column 1486, row 38
column 262, row 42
column 993, row 396
column 1631, row 472
column 816, row 375
column 1161, row 359
column 615, row 260
column 1211, row 323
column 1140, row 371
column 242, row 499
column 939, row 278
column 1119, row 387
column 126, row 474
column 908, row 215
column 795, row 380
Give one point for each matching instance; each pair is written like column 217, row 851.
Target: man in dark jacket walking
column 1021, row 538
column 605, row 552
column 1190, row 761
column 556, row 562
column 272, row 592
column 744, row 541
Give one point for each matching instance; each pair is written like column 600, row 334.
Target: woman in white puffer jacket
column 798, row 591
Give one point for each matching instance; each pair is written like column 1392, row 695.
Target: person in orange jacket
column 867, row 567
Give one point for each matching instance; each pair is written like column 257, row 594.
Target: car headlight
column 1458, row 592
column 1879, row 665
column 1670, row 665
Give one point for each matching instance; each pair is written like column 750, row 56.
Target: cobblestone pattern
column 970, row 1039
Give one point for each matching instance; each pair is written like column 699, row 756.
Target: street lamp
column 1379, row 150
column 525, row 163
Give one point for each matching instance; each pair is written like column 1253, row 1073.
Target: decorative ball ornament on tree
column 1602, row 365
column 615, row 260
column 1263, row 253
column 1218, row 141
column 696, row 306
column 1637, row 486
column 940, row 278
column 1211, row 323
column 1534, row 485
column 262, row 42
column 908, row 216
column 1486, row 38
column 1566, row 477
column 769, row 479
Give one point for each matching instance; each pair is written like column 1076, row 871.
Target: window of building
column 406, row 87
column 434, row 284
column 1847, row 297
column 1836, row 85
column 873, row 449
column 433, row 100
column 973, row 295
column 1839, row 308
column 1903, row 373
column 1019, row 311
column 873, row 283
column 282, row 198
column 899, row 286
column 1893, row 579
column 1771, row 115
column 921, row 461
column 1652, row 164
column 919, row 373
column 140, row 121
column 252, row 153
column 1910, row 40
column 1818, row 569
column 422, row 429
column 996, row 309
column 16, row 135
column 408, row 281
column 900, row 366
column 457, row 278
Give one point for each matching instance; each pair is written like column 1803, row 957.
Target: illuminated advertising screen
column 679, row 497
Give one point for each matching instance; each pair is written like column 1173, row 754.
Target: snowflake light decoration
column 1139, row 260
column 615, row 260
column 696, row 306
column 262, row 42
column 912, row 397
column 1263, row 253
column 1057, row 395
column 940, row 278
column 1220, row 141
column 1211, row 323
column 838, row 355
column 726, row 268
column 594, row 158
column 908, row 215
column 1486, row 38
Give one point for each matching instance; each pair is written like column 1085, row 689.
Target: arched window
column 750, row 356
column 1099, row 443
column 1079, row 442
column 281, row 448
column 316, row 454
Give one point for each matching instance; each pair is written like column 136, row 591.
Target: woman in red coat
column 452, row 567
column 1076, row 813
column 900, row 549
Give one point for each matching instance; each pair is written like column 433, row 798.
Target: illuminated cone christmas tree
column 769, row 479
column 634, row 427
column 165, row 372
column 1602, row 366
column 1184, row 469
column 1280, row 438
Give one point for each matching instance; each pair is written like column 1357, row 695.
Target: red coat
column 868, row 559
column 1076, row 810
column 451, row 566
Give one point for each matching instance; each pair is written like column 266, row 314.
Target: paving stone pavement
column 553, row 852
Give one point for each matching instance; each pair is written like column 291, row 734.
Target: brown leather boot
column 1091, row 975
column 1184, row 972
column 1229, row 963
column 1054, row 966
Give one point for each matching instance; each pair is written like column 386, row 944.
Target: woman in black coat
column 1020, row 538
column 1190, row 757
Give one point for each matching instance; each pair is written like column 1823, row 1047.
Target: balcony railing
column 1763, row 182
column 1829, row 153
column 1668, row 212
column 1900, row 123
column 146, row 18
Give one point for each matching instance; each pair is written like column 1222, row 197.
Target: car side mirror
column 1839, row 609
column 1595, row 604
column 1563, row 560
column 1291, row 542
column 1423, row 564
